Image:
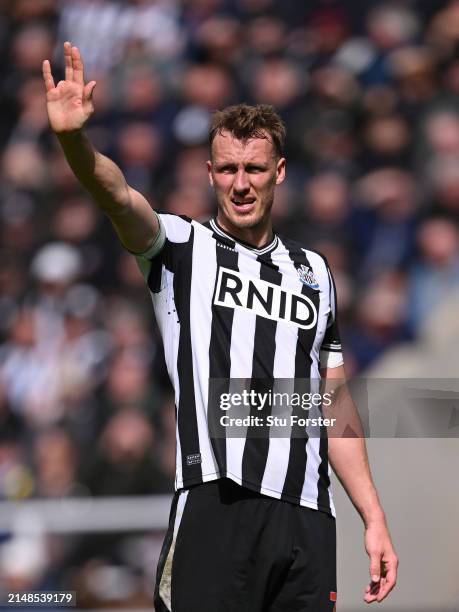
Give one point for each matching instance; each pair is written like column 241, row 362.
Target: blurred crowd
column 369, row 93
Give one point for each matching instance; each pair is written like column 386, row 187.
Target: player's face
column 244, row 176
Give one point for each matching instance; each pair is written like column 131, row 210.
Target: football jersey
column 228, row 311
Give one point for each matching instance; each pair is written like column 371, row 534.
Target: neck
column 256, row 236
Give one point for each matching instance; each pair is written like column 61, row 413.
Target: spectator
column 435, row 272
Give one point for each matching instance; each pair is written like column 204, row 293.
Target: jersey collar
column 270, row 246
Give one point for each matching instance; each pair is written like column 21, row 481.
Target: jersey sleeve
column 331, row 355
column 165, row 251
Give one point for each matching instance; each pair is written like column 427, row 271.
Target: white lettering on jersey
column 236, row 290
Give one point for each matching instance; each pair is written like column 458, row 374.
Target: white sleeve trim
column 331, row 359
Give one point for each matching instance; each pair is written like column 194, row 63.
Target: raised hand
column 69, row 104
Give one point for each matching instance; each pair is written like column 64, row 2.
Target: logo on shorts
column 307, row 276
column 193, row 459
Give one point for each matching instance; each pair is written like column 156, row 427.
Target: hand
column 69, row 104
column 383, row 562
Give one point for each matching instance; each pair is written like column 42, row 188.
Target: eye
column 226, row 169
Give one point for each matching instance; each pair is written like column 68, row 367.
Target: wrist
column 69, row 136
column 374, row 517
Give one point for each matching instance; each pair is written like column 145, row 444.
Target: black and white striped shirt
column 227, row 310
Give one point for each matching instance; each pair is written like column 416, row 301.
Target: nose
column 241, row 182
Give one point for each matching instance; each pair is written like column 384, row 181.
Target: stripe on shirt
column 219, row 354
column 256, row 451
column 186, row 415
column 298, row 457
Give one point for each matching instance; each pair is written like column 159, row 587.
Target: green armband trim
column 157, row 244
column 144, row 259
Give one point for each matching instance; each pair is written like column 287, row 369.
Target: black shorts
column 229, row 549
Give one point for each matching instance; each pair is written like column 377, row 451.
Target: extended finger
column 48, row 76
column 78, row 68
column 68, row 61
column 89, row 90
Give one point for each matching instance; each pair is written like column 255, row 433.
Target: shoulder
column 179, row 228
column 298, row 251
column 312, row 266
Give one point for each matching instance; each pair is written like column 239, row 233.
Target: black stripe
column 169, row 257
column 158, row 602
column 323, row 485
column 186, row 416
column 219, row 352
column 257, row 441
column 155, row 273
column 296, row 471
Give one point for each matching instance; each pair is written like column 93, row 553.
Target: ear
column 280, row 171
column 209, row 172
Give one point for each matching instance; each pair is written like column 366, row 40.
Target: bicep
column 137, row 224
column 166, row 250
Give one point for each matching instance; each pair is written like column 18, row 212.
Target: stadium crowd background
column 369, row 95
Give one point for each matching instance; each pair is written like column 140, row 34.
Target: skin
column 244, row 175
column 70, row 105
column 349, row 460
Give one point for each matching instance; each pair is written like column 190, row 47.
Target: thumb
column 89, row 90
column 375, row 568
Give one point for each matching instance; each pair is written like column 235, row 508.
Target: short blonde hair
column 244, row 122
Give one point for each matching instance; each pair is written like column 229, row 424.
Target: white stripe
column 320, row 272
column 310, row 484
column 170, row 332
column 330, row 359
column 166, row 577
column 241, row 357
column 204, row 272
column 177, row 229
column 180, row 509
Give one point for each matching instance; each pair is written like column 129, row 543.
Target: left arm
column 349, row 460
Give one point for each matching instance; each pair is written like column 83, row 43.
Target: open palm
column 69, row 104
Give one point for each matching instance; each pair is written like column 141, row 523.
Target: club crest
column 307, row 276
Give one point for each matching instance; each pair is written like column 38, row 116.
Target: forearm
column 69, row 106
column 97, row 173
column 349, row 460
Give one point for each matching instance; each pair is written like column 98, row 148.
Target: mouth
column 243, row 205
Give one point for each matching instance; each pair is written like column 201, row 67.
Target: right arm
column 69, row 106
